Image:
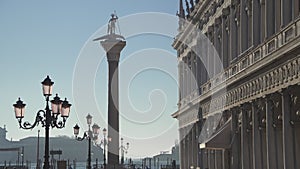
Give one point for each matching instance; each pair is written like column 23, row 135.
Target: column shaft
column 243, row 33
column 245, row 140
column 286, row 12
column 225, row 42
column 271, row 147
column 263, row 20
column 233, row 33
column 257, row 147
column 235, row 149
column 288, row 132
column 256, row 22
column 270, row 19
column 181, row 149
column 277, row 15
column 113, row 113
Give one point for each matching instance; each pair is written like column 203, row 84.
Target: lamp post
column 123, row 150
column 47, row 117
column 90, row 135
column 105, row 143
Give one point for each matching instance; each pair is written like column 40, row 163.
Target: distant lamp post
column 90, row 135
column 105, row 142
column 46, row 117
column 123, row 150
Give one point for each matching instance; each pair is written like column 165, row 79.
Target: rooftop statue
column 111, row 29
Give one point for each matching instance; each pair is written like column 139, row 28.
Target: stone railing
column 271, row 81
column 250, row 58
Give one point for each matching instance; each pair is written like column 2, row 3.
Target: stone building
column 244, row 113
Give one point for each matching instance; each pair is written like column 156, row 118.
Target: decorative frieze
column 188, row 118
column 276, row 78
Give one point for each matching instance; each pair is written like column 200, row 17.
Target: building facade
column 244, row 113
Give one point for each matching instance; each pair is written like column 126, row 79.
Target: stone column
column 288, row 134
column 277, row 15
column 211, row 66
column 225, row 159
column 256, row 22
column 200, row 73
column 225, row 37
column 271, row 147
column 180, row 73
column 113, row 48
column 245, row 154
column 256, row 138
column 243, row 33
column 235, row 149
column 195, row 146
column 233, row 32
column 190, row 152
column 258, row 157
column 211, row 159
column 182, row 148
column 296, row 8
column 189, row 74
column 270, row 18
column 218, row 38
column 193, row 72
column 286, row 12
column 185, row 75
column 263, row 20
column 249, row 10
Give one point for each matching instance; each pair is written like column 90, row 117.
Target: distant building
column 165, row 158
column 11, row 151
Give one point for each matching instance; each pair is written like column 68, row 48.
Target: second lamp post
column 90, row 135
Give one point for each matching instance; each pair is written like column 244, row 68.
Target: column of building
column 210, row 58
column 272, row 149
column 289, row 155
column 235, row 148
column 225, row 37
column 189, row 74
column 262, row 21
column 185, row 75
column 194, row 77
column 217, row 43
column 286, row 12
column 181, row 78
column 256, row 11
column 182, row 148
column 246, row 137
column 234, row 30
column 243, row 33
column 270, row 19
column 257, row 138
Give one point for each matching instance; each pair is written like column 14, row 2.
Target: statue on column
column 112, row 24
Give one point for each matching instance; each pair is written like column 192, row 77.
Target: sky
column 55, row 38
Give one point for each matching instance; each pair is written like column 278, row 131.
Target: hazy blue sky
column 39, row 38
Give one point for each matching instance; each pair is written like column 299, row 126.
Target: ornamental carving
column 283, row 74
column 188, row 118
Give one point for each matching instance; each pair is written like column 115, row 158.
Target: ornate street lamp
column 105, row 143
column 47, row 117
column 123, row 150
column 90, row 135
